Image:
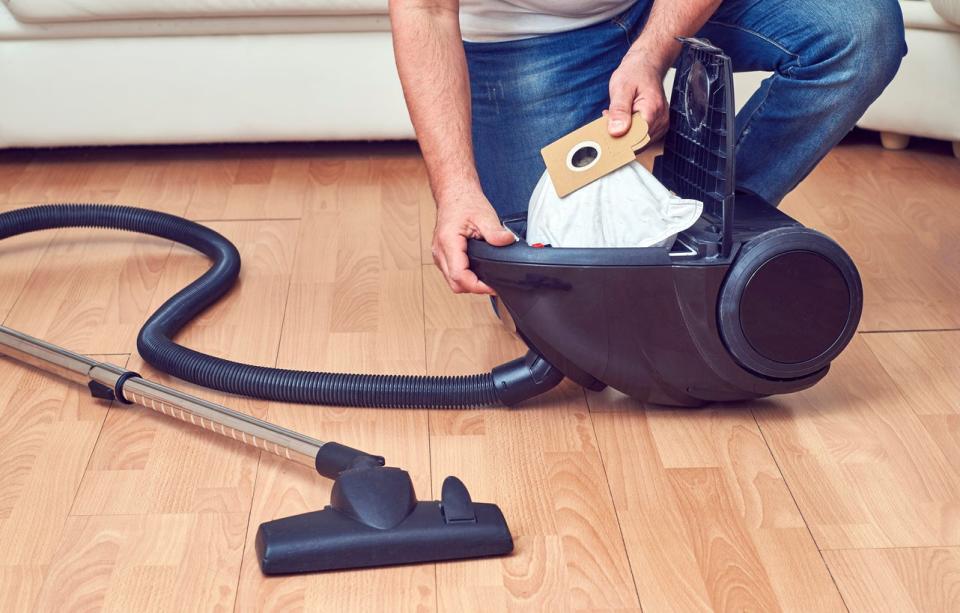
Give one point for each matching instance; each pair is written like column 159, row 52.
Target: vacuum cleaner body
column 747, row 302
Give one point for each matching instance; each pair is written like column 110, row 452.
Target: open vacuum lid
column 698, row 152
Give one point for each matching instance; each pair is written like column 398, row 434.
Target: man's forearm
column 433, row 71
column 657, row 44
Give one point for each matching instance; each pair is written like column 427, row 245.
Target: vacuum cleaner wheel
column 790, row 304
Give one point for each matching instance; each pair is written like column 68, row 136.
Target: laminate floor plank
column 90, row 290
column 13, row 163
column 152, row 177
column 354, row 306
column 48, row 431
column 59, row 176
column 20, row 256
column 147, row 463
column 159, row 520
column 166, row 562
column 864, row 467
column 708, row 520
column 915, row 580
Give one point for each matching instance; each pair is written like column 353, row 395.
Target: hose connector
column 524, row 378
column 334, row 458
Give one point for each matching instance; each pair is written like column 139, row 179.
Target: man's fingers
column 440, row 260
column 621, row 106
column 464, row 281
column 653, row 109
column 494, row 233
column 459, row 275
column 478, row 221
column 440, row 257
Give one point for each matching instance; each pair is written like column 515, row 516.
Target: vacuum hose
column 507, row 384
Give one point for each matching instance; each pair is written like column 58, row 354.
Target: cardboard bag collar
column 589, row 152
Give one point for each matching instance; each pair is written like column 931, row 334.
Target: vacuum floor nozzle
column 374, row 519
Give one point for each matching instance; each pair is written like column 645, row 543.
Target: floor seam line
column 616, row 511
column 256, row 474
column 110, row 408
column 239, row 219
column 33, row 271
column 426, row 372
column 76, row 491
column 246, row 532
column 892, row 548
column 909, row 331
column 796, row 505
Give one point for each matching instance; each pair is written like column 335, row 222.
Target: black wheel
column 790, row 303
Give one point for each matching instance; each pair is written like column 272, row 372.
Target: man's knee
column 865, row 42
column 882, row 44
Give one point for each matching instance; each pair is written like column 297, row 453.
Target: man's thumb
column 618, row 122
column 619, row 115
column 496, row 234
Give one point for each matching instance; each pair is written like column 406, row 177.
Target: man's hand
column 636, row 85
column 457, row 220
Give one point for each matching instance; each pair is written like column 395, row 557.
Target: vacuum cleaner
column 747, row 303
column 740, row 307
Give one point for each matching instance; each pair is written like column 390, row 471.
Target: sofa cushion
column 48, row 19
column 948, row 9
column 13, row 29
column 94, row 10
column 921, row 15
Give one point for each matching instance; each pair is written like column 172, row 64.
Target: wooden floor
column 843, row 497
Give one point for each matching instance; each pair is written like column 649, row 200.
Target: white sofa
column 90, row 72
column 924, row 98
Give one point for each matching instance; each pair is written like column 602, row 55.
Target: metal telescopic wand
column 112, row 382
column 374, row 517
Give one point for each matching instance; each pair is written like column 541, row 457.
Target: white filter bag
column 626, row 208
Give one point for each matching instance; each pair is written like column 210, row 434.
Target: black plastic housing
column 747, row 302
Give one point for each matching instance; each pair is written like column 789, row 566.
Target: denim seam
column 766, row 95
column 749, row 120
column 626, row 31
column 766, row 39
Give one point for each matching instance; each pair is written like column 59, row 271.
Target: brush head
column 374, row 519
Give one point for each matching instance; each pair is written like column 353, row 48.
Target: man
column 490, row 82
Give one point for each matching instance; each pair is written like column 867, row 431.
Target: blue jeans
column 829, row 58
